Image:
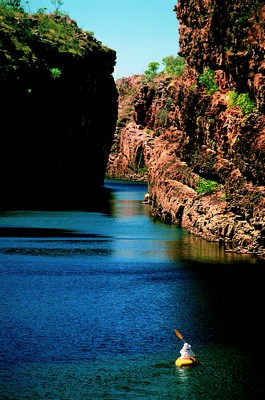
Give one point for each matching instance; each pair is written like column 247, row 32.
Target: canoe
column 185, row 361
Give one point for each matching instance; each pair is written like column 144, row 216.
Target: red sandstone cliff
column 180, row 133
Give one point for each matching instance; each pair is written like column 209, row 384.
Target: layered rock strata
column 190, row 135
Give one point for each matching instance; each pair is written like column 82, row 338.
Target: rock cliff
column 204, row 151
column 58, row 112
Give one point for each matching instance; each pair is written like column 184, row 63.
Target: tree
column 174, row 66
column 153, row 67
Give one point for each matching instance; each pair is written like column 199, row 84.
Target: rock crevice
column 188, row 135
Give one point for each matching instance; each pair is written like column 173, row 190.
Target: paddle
column 179, row 335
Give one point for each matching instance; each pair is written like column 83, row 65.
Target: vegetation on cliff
column 173, row 66
column 60, row 107
column 26, row 40
column 201, row 134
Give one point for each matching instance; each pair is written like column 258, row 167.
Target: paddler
column 186, row 352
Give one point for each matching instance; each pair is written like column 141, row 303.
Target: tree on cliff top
column 153, row 68
column 174, row 66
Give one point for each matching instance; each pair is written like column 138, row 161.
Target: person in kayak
column 186, row 352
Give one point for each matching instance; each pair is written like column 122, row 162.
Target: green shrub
column 242, row 101
column 231, row 98
column 206, row 186
column 142, row 170
column 207, row 81
column 56, row 73
column 246, row 105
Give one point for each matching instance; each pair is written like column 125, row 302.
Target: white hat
column 186, row 346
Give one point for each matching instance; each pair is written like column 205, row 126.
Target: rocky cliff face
column 205, row 154
column 58, row 112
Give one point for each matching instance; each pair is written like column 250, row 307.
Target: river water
column 90, row 300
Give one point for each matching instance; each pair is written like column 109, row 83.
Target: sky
column 140, row 31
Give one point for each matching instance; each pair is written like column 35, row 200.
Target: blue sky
column 140, row 31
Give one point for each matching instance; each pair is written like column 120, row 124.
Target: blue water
column 90, row 301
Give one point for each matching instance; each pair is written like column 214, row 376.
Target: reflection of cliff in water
column 125, row 201
column 125, row 198
column 192, row 247
column 93, row 199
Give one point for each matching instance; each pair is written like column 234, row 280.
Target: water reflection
column 127, row 208
column 180, row 245
column 198, row 249
column 183, row 375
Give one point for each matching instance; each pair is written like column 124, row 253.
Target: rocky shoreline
column 177, row 134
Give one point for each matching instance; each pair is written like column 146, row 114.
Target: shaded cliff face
column 131, row 149
column 58, row 113
column 190, row 135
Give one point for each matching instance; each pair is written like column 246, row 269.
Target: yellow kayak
column 184, row 361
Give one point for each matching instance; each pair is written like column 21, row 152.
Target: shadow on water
column 91, row 300
column 91, row 199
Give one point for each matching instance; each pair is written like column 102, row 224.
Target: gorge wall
column 58, row 112
column 178, row 135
